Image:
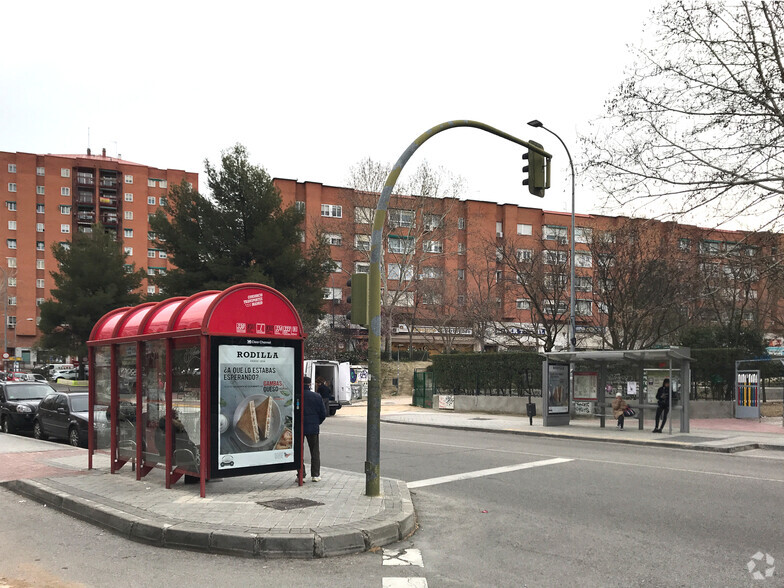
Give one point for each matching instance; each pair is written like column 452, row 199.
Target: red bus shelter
column 207, row 386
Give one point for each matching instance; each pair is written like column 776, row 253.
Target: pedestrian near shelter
column 207, row 386
column 594, row 377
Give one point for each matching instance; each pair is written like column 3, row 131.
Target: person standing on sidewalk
column 313, row 417
column 323, row 391
column 618, row 406
column 663, row 400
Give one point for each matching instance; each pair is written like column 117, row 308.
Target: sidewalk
column 269, row 515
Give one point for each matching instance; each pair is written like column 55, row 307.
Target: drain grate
column 289, row 503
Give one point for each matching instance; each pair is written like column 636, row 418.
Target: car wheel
column 38, row 430
column 8, row 426
column 332, row 411
column 73, row 436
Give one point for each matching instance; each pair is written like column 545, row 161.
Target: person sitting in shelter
column 618, row 406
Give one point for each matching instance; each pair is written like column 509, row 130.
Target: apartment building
column 48, row 198
column 450, row 275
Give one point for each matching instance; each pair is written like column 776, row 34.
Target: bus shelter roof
column 679, row 354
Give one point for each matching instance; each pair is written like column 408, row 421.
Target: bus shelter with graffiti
column 208, row 386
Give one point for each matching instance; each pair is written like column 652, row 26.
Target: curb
column 303, row 543
column 576, row 436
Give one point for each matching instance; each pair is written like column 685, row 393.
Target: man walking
column 663, row 409
column 313, row 417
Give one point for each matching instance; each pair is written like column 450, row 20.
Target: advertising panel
column 558, row 389
column 256, row 393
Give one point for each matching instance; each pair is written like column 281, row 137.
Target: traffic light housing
column 359, row 314
column 537, row 180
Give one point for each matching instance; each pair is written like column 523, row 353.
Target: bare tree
column 539, row 277
column 698, row 124
column 413, row 236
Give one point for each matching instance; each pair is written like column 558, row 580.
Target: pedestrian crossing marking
column 402, row 557
column 403, row 583
column 488, row 472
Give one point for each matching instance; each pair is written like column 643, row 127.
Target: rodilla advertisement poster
column 256, row 406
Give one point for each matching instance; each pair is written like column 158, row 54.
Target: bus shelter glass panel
column 103, row 391
column 186, row 405
column 154, row 401
column 126, row 390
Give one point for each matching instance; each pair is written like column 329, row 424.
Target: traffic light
column 359, row 314
column 536, row 170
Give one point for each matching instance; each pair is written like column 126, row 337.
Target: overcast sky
column 311, row 88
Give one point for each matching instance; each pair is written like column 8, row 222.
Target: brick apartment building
column 441, row 256
column 47, row 198
column 459, row 246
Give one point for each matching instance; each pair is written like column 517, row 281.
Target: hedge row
column 502, row 374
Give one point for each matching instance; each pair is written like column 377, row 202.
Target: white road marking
column 402, row 557
column 488, row 472
column 403, row 583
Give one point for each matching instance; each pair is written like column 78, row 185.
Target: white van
column 336, row 373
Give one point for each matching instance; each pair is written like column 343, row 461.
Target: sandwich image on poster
column 256, row 402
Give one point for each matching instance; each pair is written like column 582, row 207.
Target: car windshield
column 79, row 403
column 27, row 392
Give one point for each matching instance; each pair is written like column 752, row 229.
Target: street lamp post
column 572, row 324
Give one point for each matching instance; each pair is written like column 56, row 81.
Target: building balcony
column 107, row 202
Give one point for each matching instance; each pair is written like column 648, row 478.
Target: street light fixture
column 572, row 325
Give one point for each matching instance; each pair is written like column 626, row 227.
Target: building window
column 39, row 171
column 461, row 248
column 11, row 322
column 402, row 245
column 151, row 183
column 128, row 215
column 523, row 304
column 401, row 218
column 582, row 259
column 12, row 301
column 162, row 201
column 128, row 250
column 299, row 206
column 361, row 267
column 12, row 282
column 128, row 197
column 151, row 253
column 499, row 276
column 363, row 215
column 127, row 233
column 524, row 255
column 39, row 264
column 554, row 232
column 461, row 274
column 151, row 200
column 399, row 298
column 583, row 283
column 11, row 168
column 433, row 247
column 431, row 298
column 11, row 187
column 65, row 191
column 40, row 246
column 39, row 227
column 554, row 257
column 150, row 289
column 710, row 247
column 433, row 222
column 583, row 234
column 337, row 266
column 461, row 300
column 397, row 272
column 39, row 283
column 523, row 229
column 332, row 210
column 65, row 228
column 551, row 309
column 11, row 225
column 65, row 209
column 362, row 242
column 432, row 273
column 684, row 244
column 11, row 262
column 39, row 208
column 461, row 223
column 39, row 190
column 163, row 184
column 499, row 229
column 65, row 172
column 39, row 302
column 583, row 307
column 128, row 179
column 333, row 294
column 161, row 254
column 11, row 205
column 335, row 239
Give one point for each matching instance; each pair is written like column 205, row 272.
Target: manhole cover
column 290, row 503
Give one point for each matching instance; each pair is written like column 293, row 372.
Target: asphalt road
column 555, row 513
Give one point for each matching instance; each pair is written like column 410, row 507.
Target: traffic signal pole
column 373, row 447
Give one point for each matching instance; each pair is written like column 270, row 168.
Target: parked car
column 63, row 416
column 18, row 404
column 71, row 374
column 39, row 378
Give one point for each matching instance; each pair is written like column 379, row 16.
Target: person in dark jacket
column 663, row 400
column 314, row 415
column 324, row 391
